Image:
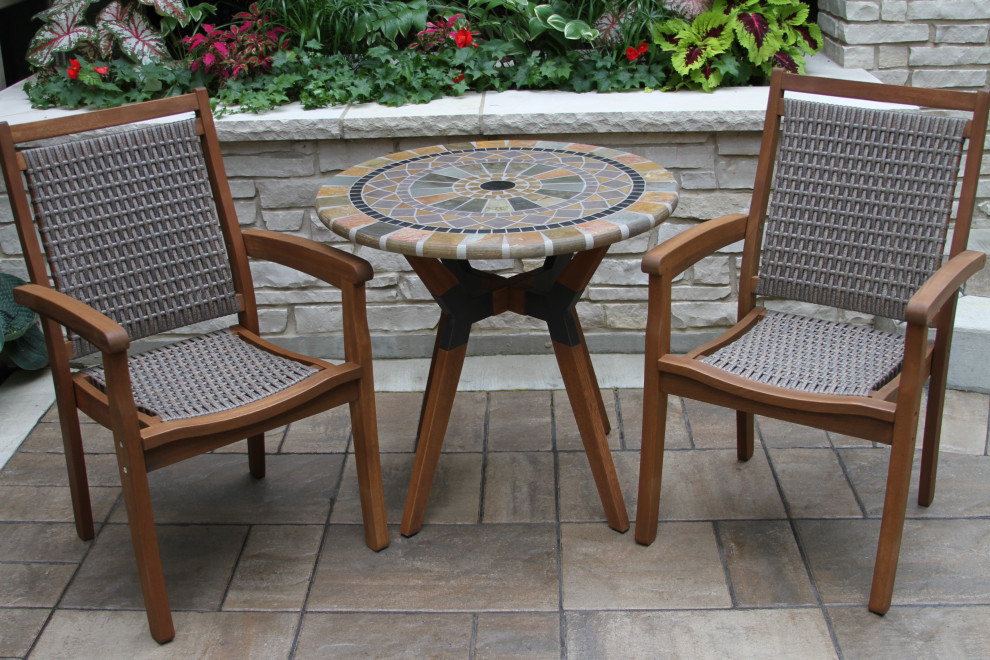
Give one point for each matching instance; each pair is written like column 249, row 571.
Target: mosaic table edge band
column 656, row 201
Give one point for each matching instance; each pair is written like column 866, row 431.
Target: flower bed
column 99, row 53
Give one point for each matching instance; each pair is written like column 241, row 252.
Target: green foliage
column 124, row 82
column 737, row 42
column 393, row 52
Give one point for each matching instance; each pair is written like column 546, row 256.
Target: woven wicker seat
column 850, row 210
column 138, row 237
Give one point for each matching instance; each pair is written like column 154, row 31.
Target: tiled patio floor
column 770, row 558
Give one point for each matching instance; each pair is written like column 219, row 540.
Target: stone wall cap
column 492, row 113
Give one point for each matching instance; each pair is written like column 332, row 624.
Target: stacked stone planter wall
column 924, row 43
column 277, row 162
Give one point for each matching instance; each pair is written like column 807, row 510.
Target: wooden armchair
column 850, row 209
column 138, row 236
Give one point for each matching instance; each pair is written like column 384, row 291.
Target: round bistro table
column 442, row 206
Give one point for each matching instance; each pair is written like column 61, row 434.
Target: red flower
column 633, row 52
column 102, row 70
column 73, row 70
column 458, row 78
column 463, row 37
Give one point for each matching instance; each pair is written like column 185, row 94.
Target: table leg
column 437, row 401
column 581, row 389
column 602, row 409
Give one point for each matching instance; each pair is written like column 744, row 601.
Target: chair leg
column 745, row 434
column 75, row 463
column 651, row 461
column 932, row 436
column 369, row 468
column 141, row 522
column 894, row 512
column 256, row 455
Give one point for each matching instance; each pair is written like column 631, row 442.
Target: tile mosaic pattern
column 497, row 199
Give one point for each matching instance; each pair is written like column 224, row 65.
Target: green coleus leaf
column 759, row 34
column 707, row 77
column 666, row 33
column 63, row 31
column 137, row 38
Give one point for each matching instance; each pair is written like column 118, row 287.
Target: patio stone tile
column 764, row 564
column 757, row 634
column 814, row 484
column 55, row 542
column 941, row 561
column 384, row 635
column 715, row 485
column 712, row 427
column 217, row 488
column 398, row 415
column 274, row 569
column 106, row 635
column 519, row 487
column 444, row 568
column 841, row 440
column 964, row 422
column 18, row 629
column 50, row 503
column 913, row 632
column 532, row 635
column 519, row 421
column 454, row 498
column 33, row 585
column 324, row 432
column 579, row 499
column 631, row 405
column 47, row 437
column 605, row 570
column 25, row 469
column 962, row 486
column 779, row 434
column 565, row 426
column 198, row 561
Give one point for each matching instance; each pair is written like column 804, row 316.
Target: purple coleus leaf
column 785, row 61
column 808, row 36
column 138, row 39
column 63, row 31
column 756, row 25
column 693, row 55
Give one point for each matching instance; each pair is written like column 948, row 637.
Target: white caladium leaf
column 174, row 8
column 137, row 38
column 63, row 31
column 112, row 13
column 60, row 6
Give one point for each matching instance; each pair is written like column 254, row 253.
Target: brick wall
column 924, row 43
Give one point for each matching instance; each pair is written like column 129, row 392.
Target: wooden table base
column 549, row 293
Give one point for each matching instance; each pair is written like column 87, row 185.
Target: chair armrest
column 93, row 326
column 676, row 254
column 327, row 263
column 943, row 284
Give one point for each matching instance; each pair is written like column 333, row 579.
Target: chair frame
column 144, row 443
column 888, row 415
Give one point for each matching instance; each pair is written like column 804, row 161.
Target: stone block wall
column 923, row 43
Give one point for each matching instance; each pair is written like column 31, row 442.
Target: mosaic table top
column 497, row 199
